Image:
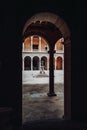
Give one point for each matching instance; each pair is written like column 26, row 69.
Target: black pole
column 51, row 74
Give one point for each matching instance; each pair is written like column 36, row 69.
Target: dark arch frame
column 63, row 29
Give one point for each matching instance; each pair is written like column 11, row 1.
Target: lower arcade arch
column 59, row 63
column 27, row 63
column 44, row 62
column 35, row 63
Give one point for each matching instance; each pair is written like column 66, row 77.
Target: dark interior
column 13, row 17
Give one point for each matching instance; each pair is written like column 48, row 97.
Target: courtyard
column 36, row 104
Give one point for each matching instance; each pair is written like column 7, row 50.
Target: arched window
column 59, row 44
column 35, row 43
column 59, row 63
column 35, row 63
column 44, row 45
column 44, row 62
column 27, row 63
column 27, row 42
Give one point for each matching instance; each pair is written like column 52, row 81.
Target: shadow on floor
column 54, row 124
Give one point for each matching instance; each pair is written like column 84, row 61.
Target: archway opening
column 58, row 55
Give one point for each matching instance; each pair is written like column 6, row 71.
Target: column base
column 51, row 94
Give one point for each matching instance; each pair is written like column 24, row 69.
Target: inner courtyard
column 45, row 68
column 36, row 104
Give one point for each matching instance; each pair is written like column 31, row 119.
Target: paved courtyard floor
column 36, row 105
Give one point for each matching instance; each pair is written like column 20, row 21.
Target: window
column 35, row 47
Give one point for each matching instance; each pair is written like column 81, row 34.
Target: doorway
column 59, row 63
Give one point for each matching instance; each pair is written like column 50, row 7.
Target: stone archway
column 51, row 27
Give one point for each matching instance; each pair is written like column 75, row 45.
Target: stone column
column 31, row 43
column 23, row 64
column 67, row 79
column 47, row 63
column 55, row 47
column 39, row 63
column 55, row 63
column 63, row 58
column 23, row 47
column 31, row 64
column 40, row 44
column 51, row 73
